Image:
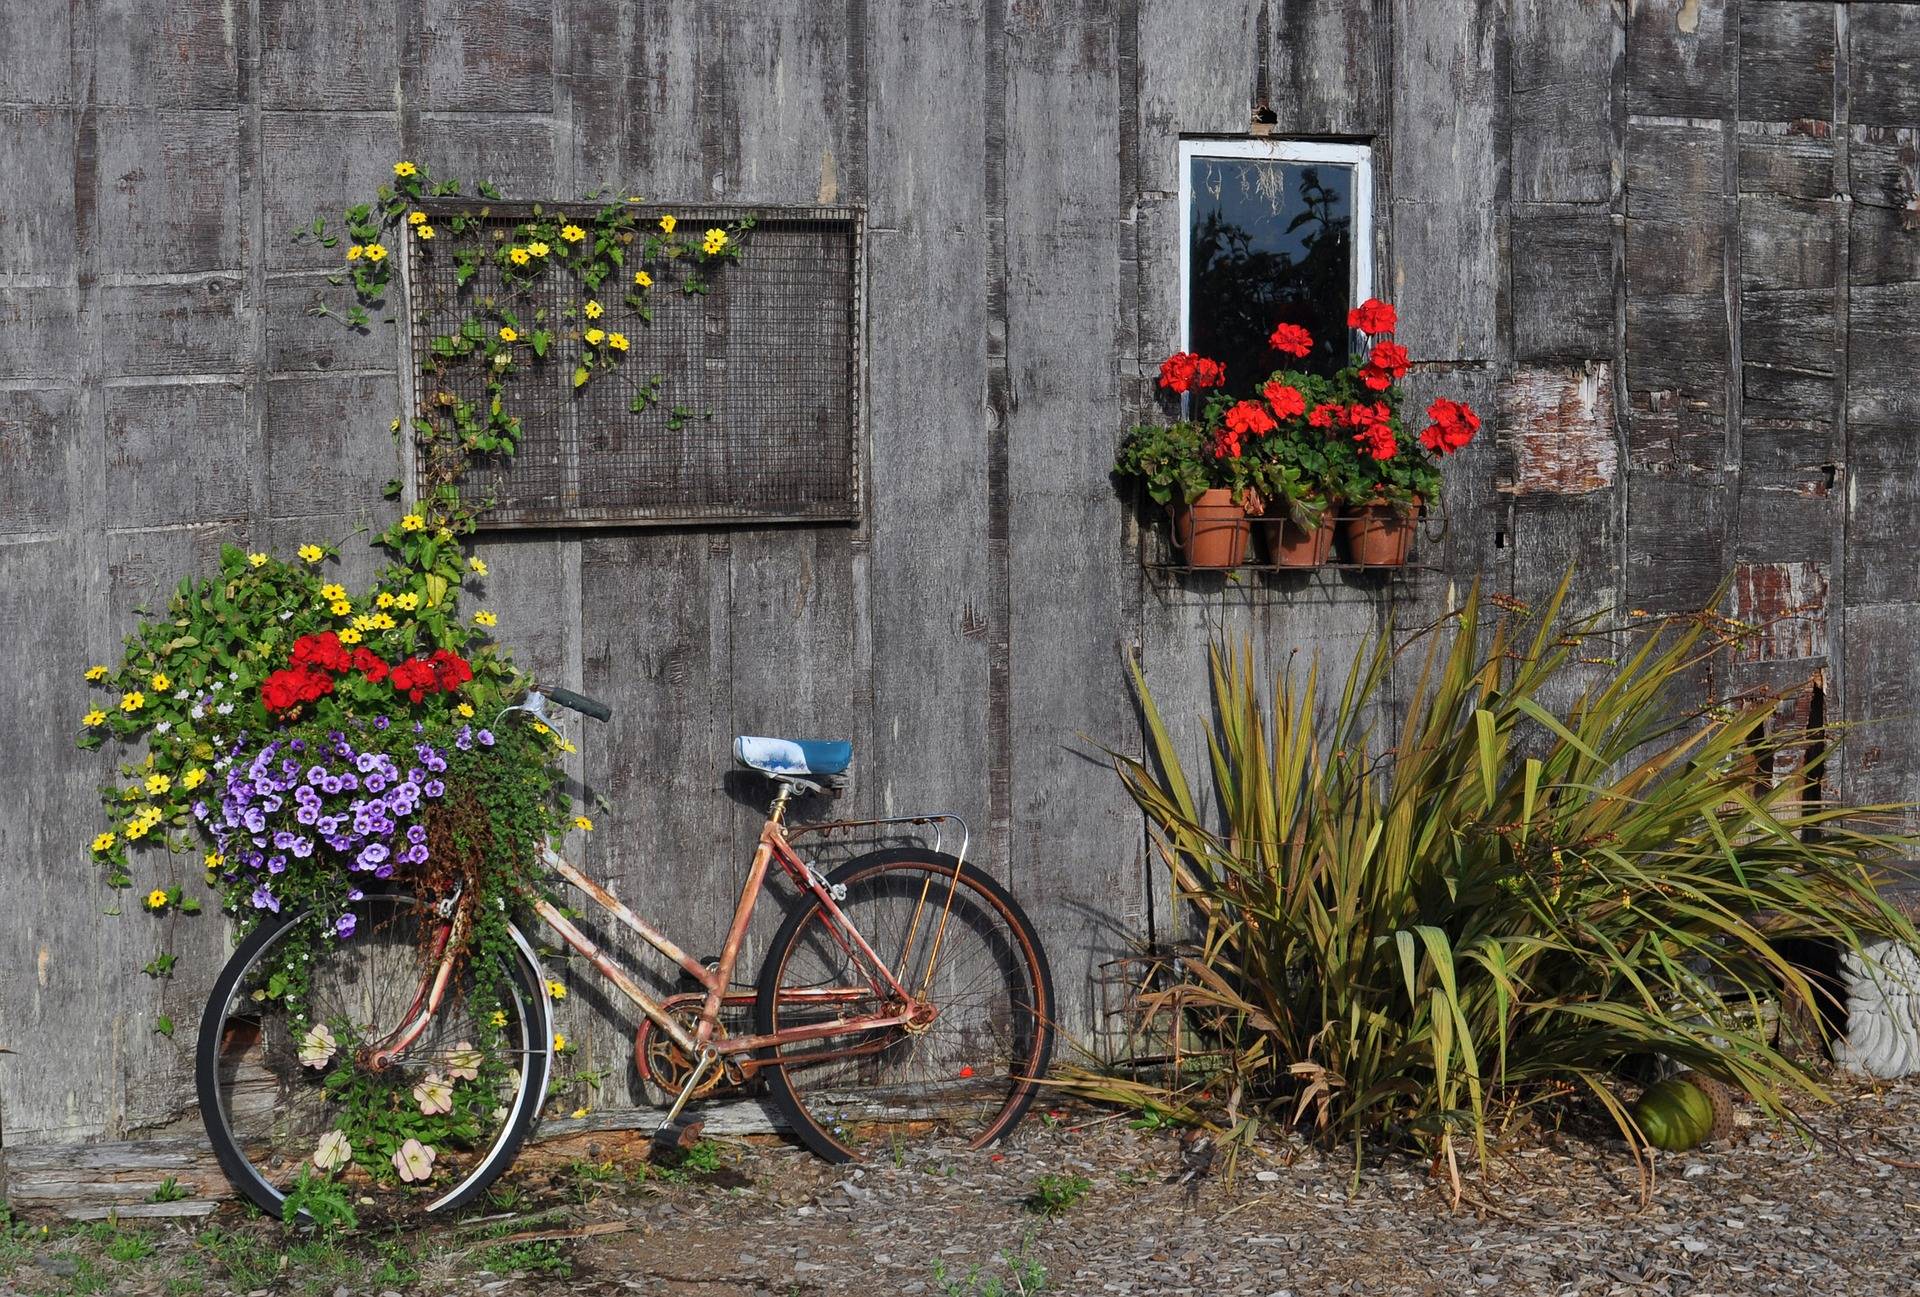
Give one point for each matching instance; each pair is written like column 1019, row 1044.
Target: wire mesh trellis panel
column 757, row 415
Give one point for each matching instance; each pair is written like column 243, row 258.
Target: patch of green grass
column 128, row 1246
column 702, row 1159
column 317, row 1201
column 1055, row 1194
column 537, row 1256
column 170, row 1190
column 249, row 1260
column 396, row 1268
column 1024, row 1277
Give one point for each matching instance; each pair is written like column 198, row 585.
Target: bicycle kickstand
column 674, row 1133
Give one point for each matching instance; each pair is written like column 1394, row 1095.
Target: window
column 740, row 404
column 1277, row 231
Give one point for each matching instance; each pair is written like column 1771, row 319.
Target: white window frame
column 1357, row 156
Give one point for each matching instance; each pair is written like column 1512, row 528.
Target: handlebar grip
column 581, row 703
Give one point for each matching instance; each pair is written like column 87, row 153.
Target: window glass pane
column 1272, row 242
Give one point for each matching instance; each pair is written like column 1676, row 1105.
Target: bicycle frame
column 907, row 1009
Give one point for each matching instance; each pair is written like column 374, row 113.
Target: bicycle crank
column 666, row 1067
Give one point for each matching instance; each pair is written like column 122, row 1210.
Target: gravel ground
column 1771, row 1211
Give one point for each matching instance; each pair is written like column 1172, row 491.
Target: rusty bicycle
column 904, row 997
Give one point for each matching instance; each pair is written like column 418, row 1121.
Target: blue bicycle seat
column 793, row 756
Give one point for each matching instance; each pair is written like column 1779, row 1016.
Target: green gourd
column 1674, row 1115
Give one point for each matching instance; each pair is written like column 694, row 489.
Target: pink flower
column 434, row 1095
column 414, row 1161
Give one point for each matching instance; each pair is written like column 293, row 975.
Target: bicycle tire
column 815, row 1101
column 524, row 977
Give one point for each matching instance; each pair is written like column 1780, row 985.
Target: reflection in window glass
column 1272, row 243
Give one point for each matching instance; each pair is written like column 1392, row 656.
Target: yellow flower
column 539, row 727
column 161, row 682
column 193, row 778
column 499, row 1018
column 158, row 784
column 582, row 823
column 643, row 279
column 485, row 618
column 353, row 253
column 538, row 248
column 104, row 842
column 214, row 860
column 350, row 636
column 363, row 622
column 478, row 565
column 558, row 990
column 518, row 256
column 407, row 602
column 559, row 1043
column 382, row 621
column 715, row 240
column 572, row 233
column 136, row 829
column 405, row 169
column 667, row 223
column 383, row 599
column 96, row 673
column 257, row 560
column 376, row 252
column 333, row 593
column 157, row 899
column 464, row 709
column 416, row 218
column 509, row 334
column 311, row 553
column 424, row 232
column 595, row 337
column 412, row 522
column 594, row 310
column 565, row 746
column 618, row 341
column 93, row 718
column 339, row 607
column 132, row 702
column 578, row 1113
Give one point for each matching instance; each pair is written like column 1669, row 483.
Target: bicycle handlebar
column 581, row 703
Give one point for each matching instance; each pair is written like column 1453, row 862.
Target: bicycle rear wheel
column 960, row 945
column 280, row 1085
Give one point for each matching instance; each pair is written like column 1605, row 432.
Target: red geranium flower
column 1391, row 357
column 1184, row 371
column 1292, row 339
column 1361, row 416
column 1375, row 377
column 1453, row 426
column 1377, row 441
column 323, row 650
column 1249, row 419
column 1327, row 414
column 1373, row 316
column 1287, row 402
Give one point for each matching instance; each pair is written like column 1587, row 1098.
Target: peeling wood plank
column 1560, row 423
column 1785, row 604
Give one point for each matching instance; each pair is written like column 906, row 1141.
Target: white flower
column 434, row 1095
column 317, row 1047
column 179, row 695
column 286, row 615
column 162, row 727
column 414, row 1161
column 333, row 1151
column 463, row 1064
column 225, row 709
column 217, row 686
column 197, row 712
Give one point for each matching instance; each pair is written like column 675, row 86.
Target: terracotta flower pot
column 1212, row 531
column 1379, row 534
column 1291, row 545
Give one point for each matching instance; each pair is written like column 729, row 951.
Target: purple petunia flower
column 282, row 840
column 355, row 894
column 265, row 900
column 464, row 739
column 303, row 847
column 345, row 924
column 372, row 854
column 385, row 871
column 381, row 722
column 276, row 864
column 434, row 787
column 486, row 738
column 416, row 833
column 376, row 783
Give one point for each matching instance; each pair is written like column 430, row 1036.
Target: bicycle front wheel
column 976, row 984
column 287, row 1083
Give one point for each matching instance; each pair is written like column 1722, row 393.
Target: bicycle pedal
column 676, row 1136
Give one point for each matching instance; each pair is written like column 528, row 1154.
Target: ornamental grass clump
column 1405, row 932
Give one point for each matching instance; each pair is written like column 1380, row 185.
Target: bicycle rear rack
column 828, row 829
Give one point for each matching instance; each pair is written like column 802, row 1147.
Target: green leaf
column 580, row 376
column 164, row 1025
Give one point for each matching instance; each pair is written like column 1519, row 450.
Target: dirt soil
column 1833, row 1211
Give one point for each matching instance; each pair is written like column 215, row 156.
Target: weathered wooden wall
column 1671, row 244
